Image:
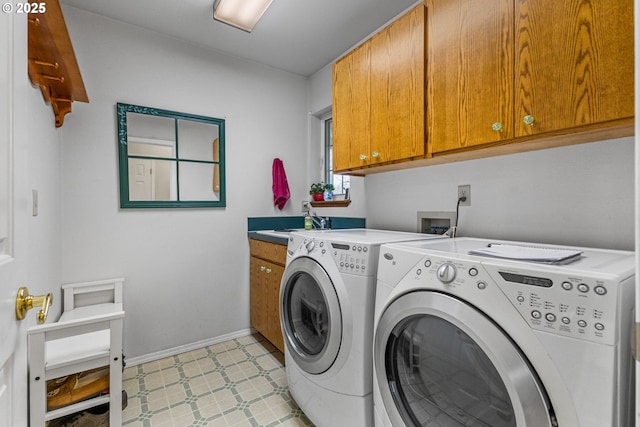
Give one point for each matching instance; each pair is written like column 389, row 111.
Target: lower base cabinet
column 266, row 270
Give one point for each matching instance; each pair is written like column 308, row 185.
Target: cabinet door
column 397, row 89
column 274, row 331
column 352, row 110
column 469, row 73
column 575, row 63
column 257, row 295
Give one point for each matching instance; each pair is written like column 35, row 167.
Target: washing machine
column 327, row 298
column 476, row 332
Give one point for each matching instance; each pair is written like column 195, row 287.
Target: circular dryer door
column 440, row 361
column 310, row 315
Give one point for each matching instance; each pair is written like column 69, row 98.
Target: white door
column 13, row 217
column 141, row 179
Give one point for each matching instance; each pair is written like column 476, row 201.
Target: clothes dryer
column 475, row 340
column 326, row 307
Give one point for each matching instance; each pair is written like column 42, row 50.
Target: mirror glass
column 169, row 159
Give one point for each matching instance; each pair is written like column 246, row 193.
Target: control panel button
column 599, row 326
column 427, row 263
column 582, row 323
column 482, row 286
column 583, row 287
column 446, row 272
column 473, row 272
column 600, row 290
column 520, row 298
column 567, row 286
column 364, row 249
column 550, row 317
column 419, row 271
column 311, row 245
column 536, row 314
column 565, row 320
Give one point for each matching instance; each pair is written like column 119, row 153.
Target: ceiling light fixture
column 242, row 14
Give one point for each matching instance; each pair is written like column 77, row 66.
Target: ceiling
column 299, row 36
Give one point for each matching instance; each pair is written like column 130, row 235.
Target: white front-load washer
column 472, row 340
column 326, row 310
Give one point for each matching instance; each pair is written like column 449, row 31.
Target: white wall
column 577, row 195
column 45, row 175
column 186, row 270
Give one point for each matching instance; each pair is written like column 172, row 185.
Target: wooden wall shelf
column 52, row 63
column 331, row 204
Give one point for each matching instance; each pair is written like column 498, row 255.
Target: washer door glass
column 432, row 373
column 310, row 315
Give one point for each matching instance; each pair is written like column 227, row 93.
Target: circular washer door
column 310, row 315
column 439, row 361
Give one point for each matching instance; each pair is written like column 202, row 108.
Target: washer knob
column 446, row 272
column 311, row 245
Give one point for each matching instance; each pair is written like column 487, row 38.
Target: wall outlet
column 464, row 191
column 305, row 207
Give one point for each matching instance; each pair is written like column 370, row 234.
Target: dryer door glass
column 439, row 373
column 310, row 315
column 439, row 361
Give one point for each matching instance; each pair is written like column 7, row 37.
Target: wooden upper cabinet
column 352, row 109
column 469, row 73
column 504, row 69
column 379, row 97
column 574, row 62
column 398, row 89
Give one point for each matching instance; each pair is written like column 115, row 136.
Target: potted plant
column 317, row 191
column 328, row 191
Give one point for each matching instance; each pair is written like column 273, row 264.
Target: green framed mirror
column 169, row 159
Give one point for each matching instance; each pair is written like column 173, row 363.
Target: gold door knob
column 375, row 154
column 363, row 157
column 25, row 302
column 497, row 126
column 528, row 120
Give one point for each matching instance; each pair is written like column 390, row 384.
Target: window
column 340, row 182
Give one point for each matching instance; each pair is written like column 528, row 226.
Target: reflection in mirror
column 169, row 159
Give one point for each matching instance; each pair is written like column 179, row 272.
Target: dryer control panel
column 565, row 303
column 554, row 300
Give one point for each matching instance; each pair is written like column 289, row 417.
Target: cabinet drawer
column 273, row 252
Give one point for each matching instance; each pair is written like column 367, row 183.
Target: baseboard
column 138, row 360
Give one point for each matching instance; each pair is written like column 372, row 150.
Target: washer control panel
column 548, row 299
column 352, row 258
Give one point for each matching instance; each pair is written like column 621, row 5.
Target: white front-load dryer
column 326, row 310
column 474, row 340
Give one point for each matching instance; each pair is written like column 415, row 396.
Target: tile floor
column 241, row 382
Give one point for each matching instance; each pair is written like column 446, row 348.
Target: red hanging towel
column 280, row 185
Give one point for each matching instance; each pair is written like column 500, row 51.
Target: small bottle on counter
column 308, row 222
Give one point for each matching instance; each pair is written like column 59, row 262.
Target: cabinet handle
column 528, row 120
column 268, row 270
column 363, row 157
column 497, row 126
column 263, row 268
column 375, row 154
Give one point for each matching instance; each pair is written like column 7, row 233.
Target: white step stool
column 88, row 335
